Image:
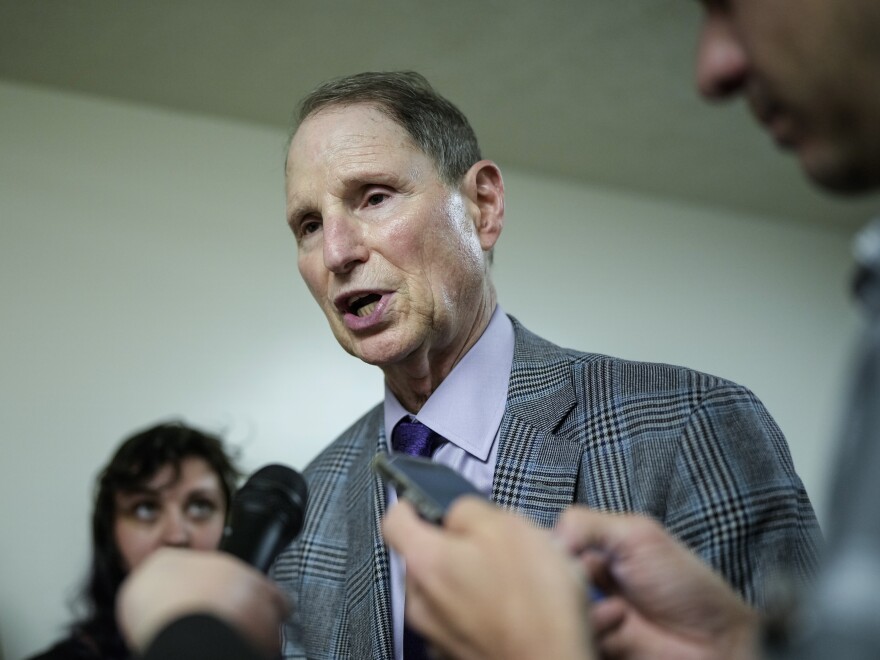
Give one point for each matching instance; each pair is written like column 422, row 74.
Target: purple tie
column 415, row 439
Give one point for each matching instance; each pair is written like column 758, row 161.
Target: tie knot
column 414, row 438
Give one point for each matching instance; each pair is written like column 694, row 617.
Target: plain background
column 146, row 273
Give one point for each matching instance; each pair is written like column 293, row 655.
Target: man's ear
column 484, row 189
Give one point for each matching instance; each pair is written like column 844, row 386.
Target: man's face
column 390, row 253
column 810, row 70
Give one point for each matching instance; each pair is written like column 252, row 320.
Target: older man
column 396, row 215
column 810, row 70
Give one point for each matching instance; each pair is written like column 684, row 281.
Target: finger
column 398, row 518
column 405, row 531
column 621, row 641
column 595, row 566
column 424, row 547
column 424, row 616
column 638, row 638
column 470, row 512
column 607, row 615
column 581, row 529
column 418, row 613
column 279, row 601
column 611, row 645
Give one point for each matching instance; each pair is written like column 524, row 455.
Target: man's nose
column 343, row 243
column 176, row 530
column 722, row 64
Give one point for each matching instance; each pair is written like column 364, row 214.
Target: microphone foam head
column 284, row 486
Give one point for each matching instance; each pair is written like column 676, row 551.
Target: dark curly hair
column 135, row 462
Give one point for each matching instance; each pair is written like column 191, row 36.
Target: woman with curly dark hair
column 169, row 485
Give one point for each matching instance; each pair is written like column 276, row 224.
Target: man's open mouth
column 364, row 305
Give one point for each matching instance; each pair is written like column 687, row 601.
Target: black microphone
column 266, row 514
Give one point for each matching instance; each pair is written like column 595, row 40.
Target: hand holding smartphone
column 432, row 488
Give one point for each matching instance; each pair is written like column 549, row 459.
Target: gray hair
column 435, row 125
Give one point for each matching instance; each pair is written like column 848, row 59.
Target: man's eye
column 376, row 199
column 309, row 227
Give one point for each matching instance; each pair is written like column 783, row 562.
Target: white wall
column 146, row 271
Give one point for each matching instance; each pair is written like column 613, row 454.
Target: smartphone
column 430, row 487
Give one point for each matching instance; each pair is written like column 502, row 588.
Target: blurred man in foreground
column 810, row 70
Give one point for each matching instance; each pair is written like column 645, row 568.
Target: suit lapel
column 538, row 465
column 367, row 584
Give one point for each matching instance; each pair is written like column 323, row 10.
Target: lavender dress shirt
column 466, row 410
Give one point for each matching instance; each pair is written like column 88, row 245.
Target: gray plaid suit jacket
column 698, row 453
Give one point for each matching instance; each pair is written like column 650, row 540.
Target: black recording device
column 266, row 514
column 430, row 487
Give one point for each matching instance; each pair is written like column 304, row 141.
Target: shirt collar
column 467, row 407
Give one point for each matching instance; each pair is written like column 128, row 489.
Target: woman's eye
column 201, row 509
column 145, row 511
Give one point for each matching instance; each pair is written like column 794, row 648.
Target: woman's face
column 187, row 512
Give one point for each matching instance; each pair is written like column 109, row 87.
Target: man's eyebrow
column 296, row 210
column 357, row 179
